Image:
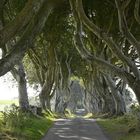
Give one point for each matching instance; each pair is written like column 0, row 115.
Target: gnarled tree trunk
column 120, row 107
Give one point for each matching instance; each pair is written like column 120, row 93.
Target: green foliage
column 23, row 125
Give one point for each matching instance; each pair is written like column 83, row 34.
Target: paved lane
column 75, row 129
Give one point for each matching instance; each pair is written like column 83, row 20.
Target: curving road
column 75, row 129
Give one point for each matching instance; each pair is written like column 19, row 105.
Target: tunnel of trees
column 83, row 53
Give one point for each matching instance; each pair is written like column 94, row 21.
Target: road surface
column 75, row 129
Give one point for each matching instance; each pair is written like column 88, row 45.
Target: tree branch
column 22, row 19
column 33, row 29
column 124, row 27
column 104, row 36
column 100, row 63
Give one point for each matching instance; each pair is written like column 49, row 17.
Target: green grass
column 34, row 129
column 121, row 128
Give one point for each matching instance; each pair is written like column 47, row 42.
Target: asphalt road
column 75, row 129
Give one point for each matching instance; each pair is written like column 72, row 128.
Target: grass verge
column 122, row 128
column 23, row 126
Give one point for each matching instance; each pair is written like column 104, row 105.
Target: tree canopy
column 55, row 40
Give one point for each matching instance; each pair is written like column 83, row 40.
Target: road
column 75, row 129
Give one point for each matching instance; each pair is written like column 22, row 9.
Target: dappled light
column 75, row 129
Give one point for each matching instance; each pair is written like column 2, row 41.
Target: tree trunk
column 119, row 101
column 45, row 96
column 42, row 101
column 106, row 104
column 60, row 104
column 48, row 103
column 42, row 96
column 19, row 75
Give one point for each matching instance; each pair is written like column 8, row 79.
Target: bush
column 136, row 110
column 13, row 117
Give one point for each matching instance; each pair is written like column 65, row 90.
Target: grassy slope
column 35, row 129
column 120, row 128
column 32, row 129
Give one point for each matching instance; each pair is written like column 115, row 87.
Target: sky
column 9, row 90
column 7, row 93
